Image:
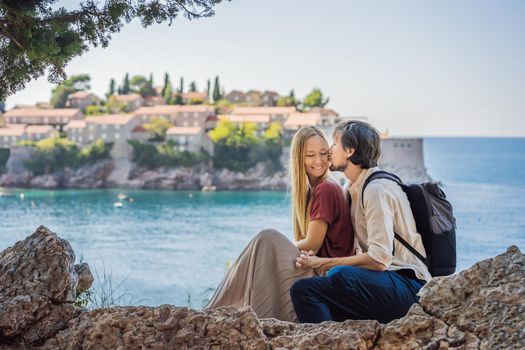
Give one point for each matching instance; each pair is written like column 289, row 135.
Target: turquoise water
column 171, row 247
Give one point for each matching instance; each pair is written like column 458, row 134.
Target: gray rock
column 37, row 287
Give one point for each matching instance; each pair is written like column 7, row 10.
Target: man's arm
column 361, row 260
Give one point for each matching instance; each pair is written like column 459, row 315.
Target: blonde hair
column 300, row 186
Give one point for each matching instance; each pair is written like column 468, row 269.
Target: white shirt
column 386, row 210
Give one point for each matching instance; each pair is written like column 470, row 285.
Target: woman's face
column 316, row 157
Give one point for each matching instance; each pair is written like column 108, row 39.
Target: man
column 382, row 281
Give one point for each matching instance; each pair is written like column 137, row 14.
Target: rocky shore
column 125, row 175
column 479, row 308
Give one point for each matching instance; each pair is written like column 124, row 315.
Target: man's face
column 338, row 155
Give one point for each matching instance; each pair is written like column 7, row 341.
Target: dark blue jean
column 349, row 292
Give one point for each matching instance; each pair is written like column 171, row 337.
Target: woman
column 262, row 275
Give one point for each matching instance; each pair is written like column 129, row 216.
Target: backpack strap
column 380, row 174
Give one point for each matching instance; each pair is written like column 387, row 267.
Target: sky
column 412, row 67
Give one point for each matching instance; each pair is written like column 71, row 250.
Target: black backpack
column 435, row 223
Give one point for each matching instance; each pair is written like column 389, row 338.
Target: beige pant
column 261, row 277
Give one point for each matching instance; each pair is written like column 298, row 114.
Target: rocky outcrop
column 124, row 174
column 481, row 308
column 38, row 285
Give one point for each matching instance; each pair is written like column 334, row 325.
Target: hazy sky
column 416, row 68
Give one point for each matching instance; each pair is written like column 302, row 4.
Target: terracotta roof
column 39, row 129
column 254, row 118
column 139, row 128
column 264, row 110
column 324, row 111
column 112, row 119
column 13, row 130
column 302, row 119
column 127, row 98
column 80, row 94
column 155, row 98
column 76, row 124
column 212, row 118
column 269, row 92
column 235, row 92
column 190, row 95
column 42, row 113
column 172, row 109
column 184, row 130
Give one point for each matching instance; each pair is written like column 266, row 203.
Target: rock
column 163, row 327
column 45, row 181
column 327, row 335
column 89, row 176
column 479, row 308
column 487, row 300
column 85, row 278
column 37, row 287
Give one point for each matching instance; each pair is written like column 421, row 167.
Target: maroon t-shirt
column 330, row 205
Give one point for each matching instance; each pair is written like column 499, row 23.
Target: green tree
column 193, row 86
column 111, row 91
column 126, row 85
column 137, row 82
column 195, row 101
column 168, row 94
column 96, row 110
column 288, row 101
column 216, row 90
column 4, row 156
column 146, row 89
column 208, row 86
column 273, row 133
column 41, row 36
column 222, row 131
column 114, row 107
column 178, row 99
column 181, row 85
column 157, row 128
column 73, row 84
column 223, row 106
column 315, row 99
column 166, row 83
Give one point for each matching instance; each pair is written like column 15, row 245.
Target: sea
column 165, row 247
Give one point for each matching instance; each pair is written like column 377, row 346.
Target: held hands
column 308, row 259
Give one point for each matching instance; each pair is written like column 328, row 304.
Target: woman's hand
column 308, row 259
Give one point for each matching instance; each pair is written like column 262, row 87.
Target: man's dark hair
column 364, row 139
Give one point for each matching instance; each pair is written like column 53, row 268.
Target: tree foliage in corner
column 315, row 99
column 38, row 37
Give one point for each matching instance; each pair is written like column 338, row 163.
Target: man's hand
column 308, row 259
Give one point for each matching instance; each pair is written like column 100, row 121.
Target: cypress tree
column 216, row 90
column 126, row 88
column 111, row 87
column 166, row 82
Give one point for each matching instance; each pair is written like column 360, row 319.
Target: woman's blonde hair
column 300, row 186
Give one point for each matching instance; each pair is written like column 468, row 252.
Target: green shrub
column 54, row 154
column 4, row 156
column 166, row 154
column 238, row 148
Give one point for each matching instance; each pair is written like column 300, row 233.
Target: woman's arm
column 361, row 260
column 314, row 237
